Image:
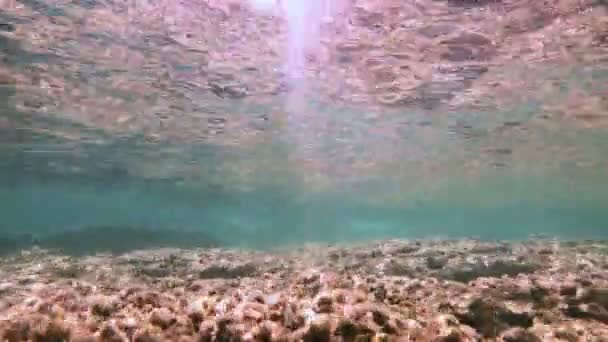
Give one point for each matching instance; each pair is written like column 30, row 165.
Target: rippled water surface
column 292, row 121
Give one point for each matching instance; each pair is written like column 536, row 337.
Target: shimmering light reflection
column 305, row 130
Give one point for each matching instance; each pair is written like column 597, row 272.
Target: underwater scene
column 304, row 170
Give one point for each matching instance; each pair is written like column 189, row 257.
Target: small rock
column 324, row 304
column 146, row 336
column 319, row 331
column 50, row 331
column 564, row 334
column 252, row 314
column 519, row 335
column 30, row 301
column 453, row 336
column 228, row 272
column 435, row 263
column 347, row 329
column 7, row 27
column 205, row 331
column 84, row 338
column 6, row 288
column 104, row 306
column 491, row 318
column 162, row 318
column 273, row 299
column 381, row 318
column 196, row 306
column 195, row 312
column 17, row 331
column 596, row 295
column 109, row 333
column 380, row 337
column 227, row 331
column 587, row 311
column 568, row 290
column 495, row 269
column 380, row 293
column 290, row 319
column 394, row 268
column 262, row 333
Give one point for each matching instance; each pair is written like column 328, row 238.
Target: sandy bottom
column 430, row 290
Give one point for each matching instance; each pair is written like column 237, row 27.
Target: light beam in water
column 304, row 18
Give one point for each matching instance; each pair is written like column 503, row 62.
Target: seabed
column 393, row 290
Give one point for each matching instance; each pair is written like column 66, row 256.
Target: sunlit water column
column 307, row 128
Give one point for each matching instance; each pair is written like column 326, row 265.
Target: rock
column 196, row 312
column 436, row 263
column 50, row 331
column 595, row 295
column 7, row 79
column 491, row 318
column 568, row 290
column 252, row 314
column 84, row 338
column 17, row 331
column 109, row 333
column 587, row 311
column 453, row 336
column 162, row 318
column 434, row 31
column 408, row 249
column 539, row 294
column 380, row 337
column 495, row 269
column 309, row 278
column 347, row 329
column 205, row 331
column 128, row 325
column 231, row 91
column 394, row 268
column 468, row 38
column 104, row 306
column 324, row 304
column 446, row 323
column 227, row 331
column 7, row 27
column 146, row 336
column 155, row 271
column 147, row 298
column 290, row 319
column 519, row 335
column 380, row 293
column 567, row 335
column 6, row 288
column 262, row 333
column 272, row 299
column 228, row 272
column 319, row 331
column 380, row 317
column 491, row 248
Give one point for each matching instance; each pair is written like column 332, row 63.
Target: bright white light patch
column 263, row 5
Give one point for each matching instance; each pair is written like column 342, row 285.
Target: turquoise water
column 271, row 216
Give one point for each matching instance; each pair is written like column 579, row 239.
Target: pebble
column 324, row 304
column 519, row 335
column 162, row 318
column 319, row 330
column 104, row 305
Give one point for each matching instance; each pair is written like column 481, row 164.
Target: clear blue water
column 270, row 216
